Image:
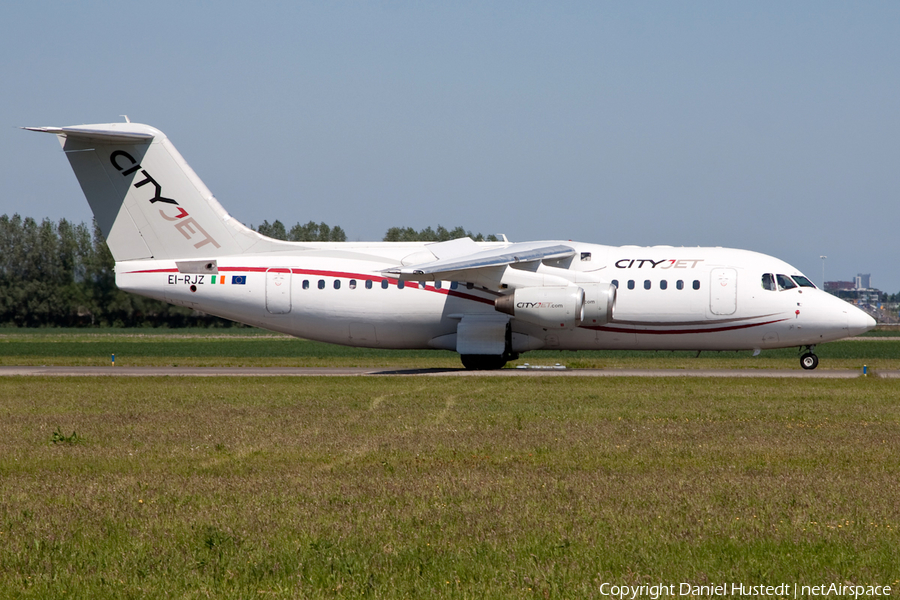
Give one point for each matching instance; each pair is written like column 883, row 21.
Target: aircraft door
column 723, row 291
column 278, row 291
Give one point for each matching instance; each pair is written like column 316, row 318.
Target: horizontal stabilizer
column 102, row 135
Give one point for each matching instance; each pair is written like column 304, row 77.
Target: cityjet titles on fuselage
column 666, row 263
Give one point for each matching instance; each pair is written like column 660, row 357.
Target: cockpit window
column 785, row 282
column 803, row 281
column 768, row 282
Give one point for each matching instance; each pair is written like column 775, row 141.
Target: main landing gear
column 487, row 362
column 491, row 362
column 808, row 360
column 482, row 362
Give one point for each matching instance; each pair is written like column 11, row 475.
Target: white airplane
column 488, row 301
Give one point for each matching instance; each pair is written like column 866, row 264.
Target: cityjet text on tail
column 488, row 301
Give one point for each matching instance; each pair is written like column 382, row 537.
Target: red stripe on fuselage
column 413, row 285
column 678, row 331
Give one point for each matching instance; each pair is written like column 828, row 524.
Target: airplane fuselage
column 666, row 298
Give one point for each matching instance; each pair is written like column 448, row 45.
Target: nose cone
column 859, row 322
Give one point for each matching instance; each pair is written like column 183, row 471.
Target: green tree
column 37, row 276
column 316, row 232
column 276, row 230
column 441, row 234
column 311, row 232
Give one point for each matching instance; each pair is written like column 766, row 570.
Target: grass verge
column 246, row 347
column 451, row 488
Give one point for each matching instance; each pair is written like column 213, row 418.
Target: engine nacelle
column 550, row 307
column 599, row 303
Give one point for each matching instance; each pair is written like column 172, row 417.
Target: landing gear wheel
column 809, row 361
column 482, row 362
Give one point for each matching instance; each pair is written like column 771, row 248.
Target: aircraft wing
column 484, row 260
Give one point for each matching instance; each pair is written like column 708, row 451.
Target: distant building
column 862, row 282
column 834, row 286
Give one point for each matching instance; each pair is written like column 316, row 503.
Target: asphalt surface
column 357, row 371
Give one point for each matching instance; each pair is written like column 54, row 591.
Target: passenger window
column 768, row 282
column 631, row 284
column 647, row 284
column 437, row 285
column 785, row 282
column 454, row 285
column 337, row 284
column 679, row 284
column 306, row 284
column 368, row 284
column 352, row 284
column 384, row 284
column 615, row 282
column 803, row 281
column 401, row 285
column 696, row 284
column 321, row 284
column 470, row 285
column 585, row 256
column 663, row 284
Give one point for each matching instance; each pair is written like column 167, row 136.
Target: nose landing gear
column 808, row 360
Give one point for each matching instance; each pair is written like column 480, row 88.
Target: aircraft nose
column 859, row 322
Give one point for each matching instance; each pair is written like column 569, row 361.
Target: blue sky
column 769, row 126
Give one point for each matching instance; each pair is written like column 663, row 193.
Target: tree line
column 311, row 232
column 61, row 274
column 320, row 232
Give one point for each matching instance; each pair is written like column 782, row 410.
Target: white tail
column 148, row 202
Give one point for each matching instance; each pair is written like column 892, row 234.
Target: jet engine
column 551, row 307
column 599, row 302
column 561, row 307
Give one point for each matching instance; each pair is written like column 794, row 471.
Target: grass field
column 253, row 347
column 450, row 488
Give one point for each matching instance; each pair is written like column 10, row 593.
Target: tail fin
column 148, row 202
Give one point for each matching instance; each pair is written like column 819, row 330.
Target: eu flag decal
column 238, row 280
